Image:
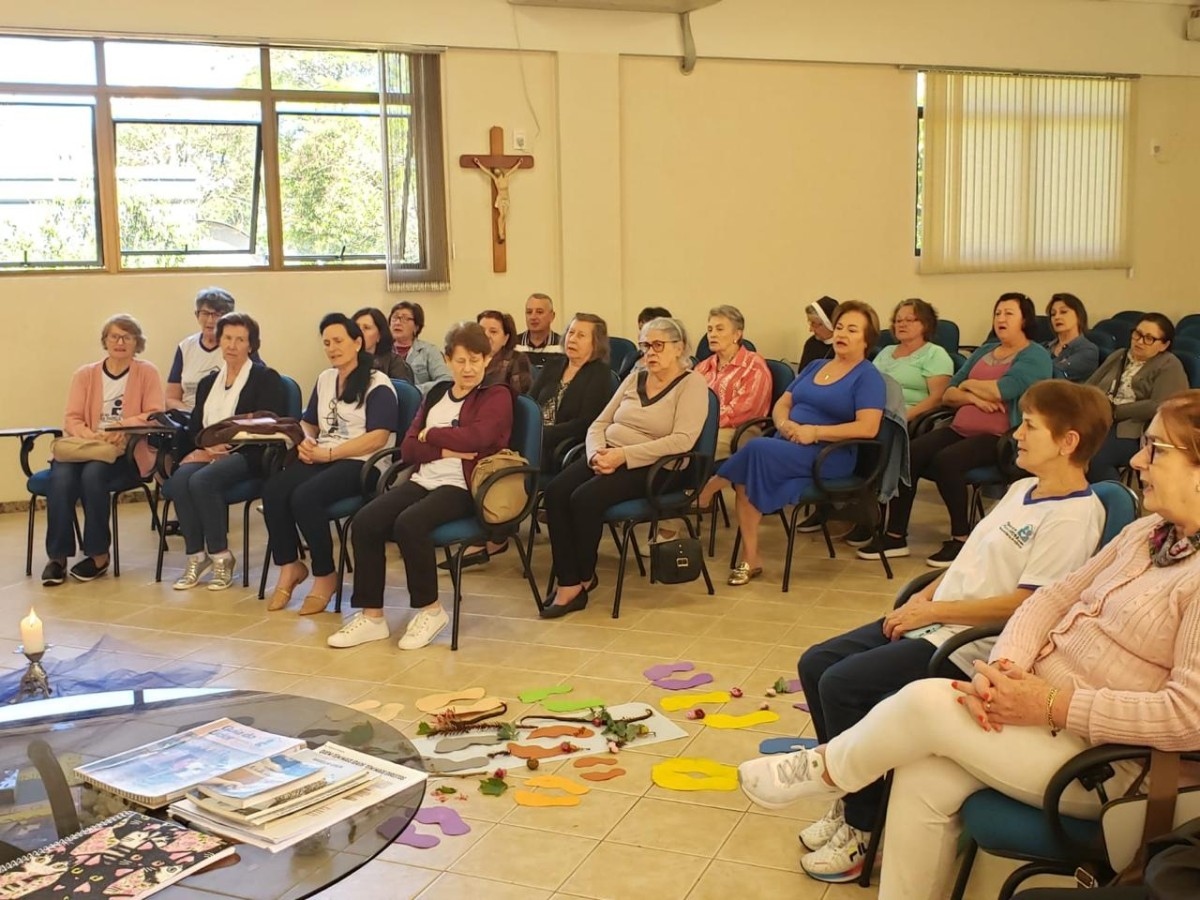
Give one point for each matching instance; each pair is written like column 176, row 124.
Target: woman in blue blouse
column 831, row 400
column 1075, row 357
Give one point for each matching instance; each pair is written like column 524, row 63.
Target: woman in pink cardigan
column 118, row 390
column 1108, row 654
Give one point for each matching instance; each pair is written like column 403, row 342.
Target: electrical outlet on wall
column 520, row 141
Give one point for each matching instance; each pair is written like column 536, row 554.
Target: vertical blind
column 1025, row 172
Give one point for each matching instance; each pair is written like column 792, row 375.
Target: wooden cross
column 498, row 168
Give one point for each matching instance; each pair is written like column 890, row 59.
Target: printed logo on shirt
column 1019, row 536
column 113, row 413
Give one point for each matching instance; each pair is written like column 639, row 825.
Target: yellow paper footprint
column 681, row 775
column 574, row 790
column 724, row 720
column 674, row 704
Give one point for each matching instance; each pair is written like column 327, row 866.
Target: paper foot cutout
column 557, row 781
column 443, row 817
column 602, row 776
column 436, row 703
column 803, row 707
column 673, row 704
column 553, row 731
column 724, row 720
column 530, row 751
column 364, row 705
column 573, row 705
column 493, row 705
column 693, row 774
column 412, row 838
column 438, row 766
column 662, row 670
column 529, row 798
column 588, row 761
column 454, row 744
column 794, row 686
column 684, row 684
column 786, row 745
column 390, row 829
column 537, row 695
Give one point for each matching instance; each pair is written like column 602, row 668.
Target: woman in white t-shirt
column 351, row 414
column 1045, row 527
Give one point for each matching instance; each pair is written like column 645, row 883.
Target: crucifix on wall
column 499, row 169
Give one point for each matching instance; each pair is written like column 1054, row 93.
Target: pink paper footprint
column 683, row 684
column 662, row 670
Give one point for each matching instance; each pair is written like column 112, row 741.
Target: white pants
column 941, row 756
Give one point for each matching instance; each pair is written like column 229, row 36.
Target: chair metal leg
column 703, row 564
column 637, row 552
column 712, row 525
column 245, row 541
column 29, row 537
column 864, row 880
column 791, row 545
column 456, row 579
column 526, row 564
column 1029, row 870
column 343, row 554
column 262, row 581
column 162, row 540
column 964, row 871
column 624, row 551
column 116, row 538
column 152, row 500
column 737, row 545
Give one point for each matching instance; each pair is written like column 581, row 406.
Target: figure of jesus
column 500, row 180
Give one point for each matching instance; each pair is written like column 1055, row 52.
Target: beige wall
column 761, row 179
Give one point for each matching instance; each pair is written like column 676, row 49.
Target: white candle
column 31, row 633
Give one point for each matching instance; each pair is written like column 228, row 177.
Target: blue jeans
column 198, row 492
column 91, row 483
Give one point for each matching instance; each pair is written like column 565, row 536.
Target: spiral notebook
column 129, row 855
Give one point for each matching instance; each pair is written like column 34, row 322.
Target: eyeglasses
column 120, row 338
column 402, row 319
column 207, row 314
column 1142, row 338
column 904, row 321
column 656, row 346
column 1150, row 445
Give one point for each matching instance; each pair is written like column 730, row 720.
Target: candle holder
column 35, row 684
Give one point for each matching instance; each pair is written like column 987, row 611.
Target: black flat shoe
column 478, row 558
column 557, row 611
column 591, row 586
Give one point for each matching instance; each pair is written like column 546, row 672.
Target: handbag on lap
column 80, row 449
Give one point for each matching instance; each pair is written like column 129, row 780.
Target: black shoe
column 812, row 523
column 890, row 547
column 478, row 558
column 588, row 588
column 557, row 611
column 87, row 570
column 55, row 573
column 171, row 528
column 944, row 557
column 860, row 536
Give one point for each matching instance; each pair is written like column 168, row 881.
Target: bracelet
column 1050, row 711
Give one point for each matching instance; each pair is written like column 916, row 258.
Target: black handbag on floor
column 676, row 561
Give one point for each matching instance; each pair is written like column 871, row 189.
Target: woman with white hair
column 737, row 375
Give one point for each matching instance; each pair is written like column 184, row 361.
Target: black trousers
column 846, row 676
column 575, row 502
column 1106, row 893
column 298, row 497
column 407, row 514
column 944, row 457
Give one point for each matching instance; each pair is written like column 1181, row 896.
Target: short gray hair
column 536, row 295
column 732, row 313
column 675, row 331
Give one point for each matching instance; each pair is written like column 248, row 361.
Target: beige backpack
column 507, row 496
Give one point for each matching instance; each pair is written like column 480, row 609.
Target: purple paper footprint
column 803, row 707
column 443, row 817
column 662, row 670
column 683, row 684
column 413, row 838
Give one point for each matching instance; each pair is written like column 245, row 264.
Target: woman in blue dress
column 831, row 400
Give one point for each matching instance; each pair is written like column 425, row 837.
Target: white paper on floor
column 661, row 728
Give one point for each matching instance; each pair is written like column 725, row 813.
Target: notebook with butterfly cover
column 124, row 857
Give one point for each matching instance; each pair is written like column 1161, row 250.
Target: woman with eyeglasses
column 985, row 394
column 830, row 400
column 1107, row 654
column 351, row 414
column 118, row 390
column 199, row 354
column 1075, row 357
column 1136, row 381
column 377, row 340
column 921, row 367
column 406, row 321
column 656, row 412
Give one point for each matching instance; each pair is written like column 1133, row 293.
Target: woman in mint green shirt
column 922, row 368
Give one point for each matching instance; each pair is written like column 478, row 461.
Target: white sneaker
column 820, row 832
column 841, row 859
column 196, row 566
column 779, row 780
column 359, row 630
column 423, row 628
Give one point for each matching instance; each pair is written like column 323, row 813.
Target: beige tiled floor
column 628, row 838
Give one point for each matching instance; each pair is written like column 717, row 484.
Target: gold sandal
column 313, row 604
column 743, row 574
column 281, row 597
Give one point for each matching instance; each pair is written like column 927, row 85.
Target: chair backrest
column 781, row 376
column 1120, row 508
column 1103, row 340
column 1132, row 316
column 1191, row 365
column 703, row 351
column 620, row 351
column 707, row 442
column 614, row 380
column 293, row 404
column 526, row 436
column 749, row 345
column 1186, row 344
column 947, row 336
column 1189, row 323
column 408, row 401
column 1119, row 329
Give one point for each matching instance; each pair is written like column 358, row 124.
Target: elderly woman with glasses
column 406, row 321
column 199, row 354
column 118, row 390
column 1136, row 381
column 655, row 412
column 921, row 367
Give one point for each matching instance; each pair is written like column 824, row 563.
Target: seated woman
column 986, row 394
column 1107, row 654
column 820, row 322
column 377, row 340
column 199, row 354
column 506, row 366
column 574, row 386
column 1058, row 521
column 118, row 390
column 406, row 322
column 830, row 400
column 1075, row 357
column 645, row 314
column 654, row 413
column 739, row 377
column 351, row 414
column 921, row 367
column 1136, row 381
column 459, row 423
column 197, row 487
